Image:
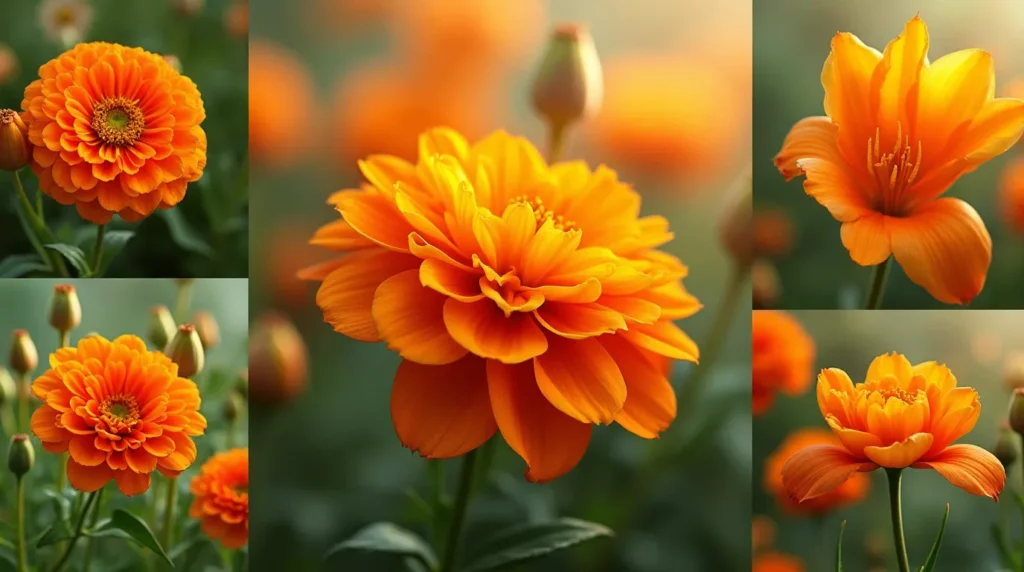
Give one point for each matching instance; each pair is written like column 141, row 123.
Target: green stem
column 92, row 524
column 43, row 235
column 462, row 496
column 227, row 557
column 97, row 252
column 23, row 405
column 154, row 503
column 878, row 279
column 78, row 532
column 556, row 141
column 22, row 551
column 6, row 422
column 167, row 532
column 895, row 506
column 65, row 339
column 182, row 301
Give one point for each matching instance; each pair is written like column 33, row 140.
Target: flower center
column 542, row 214
column 894, row 172
column 901, row 394
column 120, row 412
column 118, row 121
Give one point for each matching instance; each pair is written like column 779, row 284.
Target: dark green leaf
column 74, row 255
column 839, row 548
column 57, row 532
column 114, row 242
column 183, row 234
column 18, row 265
column 137, row 530
column 388, row 538
column 4, row 543
column 522, row 543
column 8, row 562
column 30, row 232
column 933, row 556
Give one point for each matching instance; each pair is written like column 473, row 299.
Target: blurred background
column 796, row 234
column 983, row 350
column 110, row 308
column 332, row 81
column 207, row 234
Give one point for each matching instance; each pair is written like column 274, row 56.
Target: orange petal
column 834, row 187
column 550, row 442
column 82, row 450
column 483, row 329
column 376, row 217
column 450, row 280
column 44, row 425
column 969, row 467
column 993, row 131
column 339, row 235
column 810, row 138
column 894, row 364
column 846, row 78
column 854, row 441
column 578, row 321
column 88, row 479
column 442, row 411
column 581, row 379
column 945, row 248
column 898, row 72
column 131, row 483
column 409, row 318
column 819, row 469
column 663, row 338
column 867, row 239
column 650, row 400
column 953, row 90
column 902, row 454
column 346, row 294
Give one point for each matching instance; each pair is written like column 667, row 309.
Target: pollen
column 895, row 392
column 118, row 121
column 543, row 214
column 894, row 172
column 121, row 412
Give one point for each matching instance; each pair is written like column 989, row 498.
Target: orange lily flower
column 899, row 131
column 901, row 416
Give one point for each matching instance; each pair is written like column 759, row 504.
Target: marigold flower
column 1011, row 195
column 116, row 131
column 65, row 21
column 900, row 416
column 221, row 492
column 281, row 96
column 9, row 66
column 14, row 147
column 783, row 357
column 899, row 131
column 523, row 296
column 777, row 562
column 850, row 492
column 121, row 412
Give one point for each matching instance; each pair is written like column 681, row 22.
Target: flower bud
column 1006, row 449
column 1016, row 416
column 24, row 357
column 186, row 351
column 277, row 361
column 65, row 309
column 14, row 146
column 736, row 227
column 8, row 390
column 234, row 404
column 764, row 284
column 161, row 326
column 9, row 66
column 21, row 456
column 206, row 327
column 1013, row 371
column 569, row 85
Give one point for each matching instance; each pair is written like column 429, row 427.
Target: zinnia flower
column 121, row 412
column 115, row 131
column 852, row 491
column 221, row 492
column 777, row 562
column 523, row 297
column 900, row 416
column 783, row 358
column 65, row 21
column 899, row 131
column 1011, row 195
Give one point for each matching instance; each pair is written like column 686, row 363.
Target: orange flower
column 762, row 533
column 221, row 492
column 116, row 131
column 236, row 18
column 523, row 296
column 783, row 357
column 900, row 131
column 773, row 233
column 1011, row 195
column 777, row 562
column 281, row 97
column 120, row 411
column 850, row 492
column 900, row 416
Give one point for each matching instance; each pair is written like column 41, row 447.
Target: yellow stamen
column 543, row 214
column 118, row 121
column 894, row 172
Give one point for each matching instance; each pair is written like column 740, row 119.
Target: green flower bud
column 8, row 390
column 65, row 309
column 21, row 456
column 569, row 84
column 1016, row 416
column 161, row 326
column 277, row 361
column 1006, row 449
column 24, row 357
column 186, row 351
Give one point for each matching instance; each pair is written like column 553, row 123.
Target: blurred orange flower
column 8, row 64
column 783, row 357
column 289, row 251
column 236, row 18
column 900, row 416
column 1011, row 194
column 348, row 15
column 116, row 131
column 121, row 412
column 282, row 104
column 669, row 116
column 777, row 562
column 921, row 126
column 773, row 233
column 523, row 296
column 850, row 492
column 221, row 492
column 762, row 533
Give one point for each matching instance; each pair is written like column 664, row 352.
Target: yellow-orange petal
column 375, row 216
column 893, row 364
column 650, row 400
column 969, row 467
column 44, row 424
column 819, row 469
column 867, row 239
column 410, row 319
column 945, row 248
column 550, row 442
column 450, row 280
column 846, row 77
column 483, row 329
column 899, row 72
column 663, row 338
column 88, row 479
column 834, row 187
column 901, row 454
column 578, row 321
column 442, row 411
column 853, row 440
column 952, row 91
column 581, row 379
column 810, row 138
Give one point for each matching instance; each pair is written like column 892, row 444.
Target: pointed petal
column 969, row 467
column 819, row 469
column 897, row 74
column 953, row 90
column 846, row 78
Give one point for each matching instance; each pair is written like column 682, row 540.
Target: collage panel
column 902, row 130
column 855, row 411
column 500, row 227
column 123, row 413
column 123, row 139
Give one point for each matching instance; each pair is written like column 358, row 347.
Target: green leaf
column 114, row 242
column 933, row 556
column 387, row 537
column 136, row 529
column 59, row 531
column 523, row 543
column 18, row 265
column 74, row 255
column 839, row 548
column 62, row 502
column 183, row 235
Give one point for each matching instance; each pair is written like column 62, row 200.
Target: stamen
column 893, row 172
column 118, row 121
column 895, row 392
column 542, row 214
